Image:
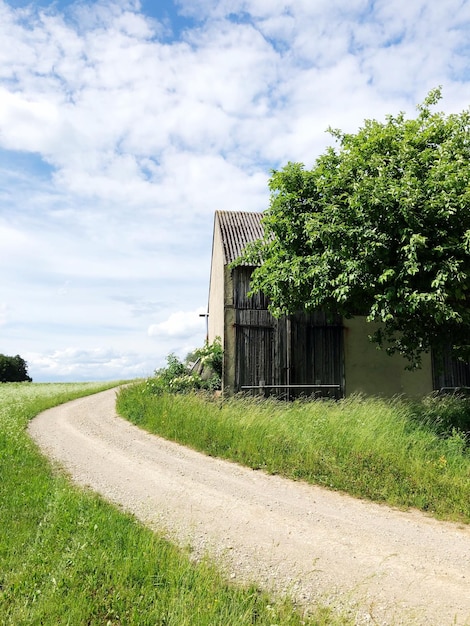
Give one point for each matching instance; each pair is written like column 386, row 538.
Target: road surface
column 380, row 565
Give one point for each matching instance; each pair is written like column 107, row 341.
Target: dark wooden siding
column 286, row 355
column 316, row 351
column 241, row 288
column 255, row 349
column 449, row 372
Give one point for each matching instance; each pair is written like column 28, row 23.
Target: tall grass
column 404, row 453
column 67, row 557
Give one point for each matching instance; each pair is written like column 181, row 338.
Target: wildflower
column 442, row 462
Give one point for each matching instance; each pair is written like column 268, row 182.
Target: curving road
column 381, row 565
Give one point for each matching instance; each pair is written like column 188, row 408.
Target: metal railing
column 287, row 392
column 291, row 387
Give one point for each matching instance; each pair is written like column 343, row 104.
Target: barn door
column 317, row 354
column 254, row 353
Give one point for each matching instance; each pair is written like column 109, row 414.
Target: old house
column 301, row 354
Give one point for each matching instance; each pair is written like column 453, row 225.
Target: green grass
column 68, row 557
column 404, row 453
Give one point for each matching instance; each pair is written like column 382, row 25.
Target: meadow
column 408, row 454
column 68, row 557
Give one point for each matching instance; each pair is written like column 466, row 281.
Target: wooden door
column 255, row 350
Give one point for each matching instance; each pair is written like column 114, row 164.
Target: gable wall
column 216, row 289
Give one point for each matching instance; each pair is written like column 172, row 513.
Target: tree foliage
column 380, row 226
column 13, row 369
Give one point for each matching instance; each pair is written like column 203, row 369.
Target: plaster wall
column 215, row 324
column 221, row 322
column 373, row 372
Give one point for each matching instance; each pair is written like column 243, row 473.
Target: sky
column 125, row 125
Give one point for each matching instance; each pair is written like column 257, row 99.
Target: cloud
column 26, row 122
column 79, row 109
column 81, row 365
column 115, row 108
column 182, row 324
column 4, row 313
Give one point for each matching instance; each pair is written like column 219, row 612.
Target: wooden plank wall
column 317, row 350
column 305, row 349
column 450, row 372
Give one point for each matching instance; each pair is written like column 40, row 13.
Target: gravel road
column 381, row 565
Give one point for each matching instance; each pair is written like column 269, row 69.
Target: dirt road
column 383, row 566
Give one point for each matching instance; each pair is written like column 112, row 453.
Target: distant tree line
column 13, row 369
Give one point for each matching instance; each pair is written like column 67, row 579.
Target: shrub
column 202, row 369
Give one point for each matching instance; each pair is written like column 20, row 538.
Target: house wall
column 373, row 372
column 215, row 326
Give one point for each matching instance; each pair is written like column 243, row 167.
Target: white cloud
column 26, row 123
column 186, row 98
column 80, row 365
column 182, row 324
column 112, row 106
column 4, row 313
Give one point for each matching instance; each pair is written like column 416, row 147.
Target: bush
column 202, row 369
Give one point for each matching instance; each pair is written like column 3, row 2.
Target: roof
column 237, row 229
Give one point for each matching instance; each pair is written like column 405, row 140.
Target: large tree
column 13, row 369
column 380, row 226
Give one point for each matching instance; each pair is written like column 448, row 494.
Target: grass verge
column 404, row 453
column 67, row 557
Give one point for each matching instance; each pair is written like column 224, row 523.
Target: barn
column 306, row 353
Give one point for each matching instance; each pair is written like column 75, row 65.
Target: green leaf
column 379, row 225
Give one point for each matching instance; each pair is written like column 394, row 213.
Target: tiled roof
column 238, row 228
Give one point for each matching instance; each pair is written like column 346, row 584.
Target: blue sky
column 125, row 125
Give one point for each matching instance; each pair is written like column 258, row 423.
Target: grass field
column 404, row 453
column 68, row 558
